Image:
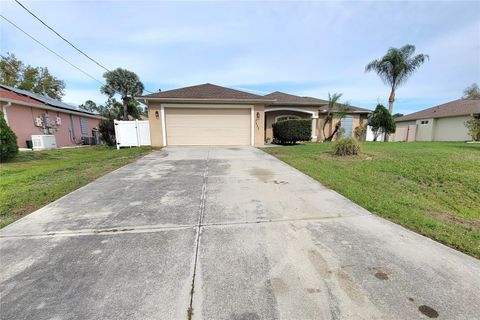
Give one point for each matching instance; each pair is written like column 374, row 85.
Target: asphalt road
column 231, row 233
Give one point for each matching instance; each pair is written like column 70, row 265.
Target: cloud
column 306, row 48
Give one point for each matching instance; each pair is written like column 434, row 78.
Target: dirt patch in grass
column 469, row 224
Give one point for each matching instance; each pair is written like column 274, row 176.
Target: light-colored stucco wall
column 155, row 120
column 258, row 129
column 451, row 129
column 21, row 121
column 425, row 132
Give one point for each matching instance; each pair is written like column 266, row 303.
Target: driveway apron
column 224, row 233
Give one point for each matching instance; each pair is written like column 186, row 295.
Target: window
column 286, row 117
column 424, row 122
column 347, row 124
column 84, row 125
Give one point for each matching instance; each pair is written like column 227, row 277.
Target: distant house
column 28, row 114
column 445, row 122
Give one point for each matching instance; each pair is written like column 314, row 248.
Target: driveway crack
column 203, row 198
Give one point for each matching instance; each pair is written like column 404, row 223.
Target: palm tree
column 334, row 109
column 396, row 67
column 126, row 83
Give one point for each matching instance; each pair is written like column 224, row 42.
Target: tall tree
column 14, row 73
column 10, row 70
column 471, row 92
column 334, row 110
column 395, row 67
column 125, row 83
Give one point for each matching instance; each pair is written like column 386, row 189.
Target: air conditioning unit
column 44, row 142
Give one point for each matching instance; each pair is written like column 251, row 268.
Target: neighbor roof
column 283, row 98
column 205, row 91
column 9, row 95
column 21, row 95
column 290, row 99
column 460, row 107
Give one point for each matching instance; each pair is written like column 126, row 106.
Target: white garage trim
column 252, row 120
column 164, row 128
column 204, row 106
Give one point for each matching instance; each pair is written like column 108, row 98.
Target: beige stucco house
column 208, row 114
column 445, row 122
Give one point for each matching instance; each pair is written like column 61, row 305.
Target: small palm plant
column 396, row 67
column 334, row 110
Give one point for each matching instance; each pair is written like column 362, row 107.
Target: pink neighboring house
column 30, row 114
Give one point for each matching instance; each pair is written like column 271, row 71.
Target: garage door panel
column 191, row 126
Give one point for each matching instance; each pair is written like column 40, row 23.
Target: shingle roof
column 293, row 100
column 44, row 99
column 6, row 94
column 460, row 107
column 290, row 99
column 205, row 91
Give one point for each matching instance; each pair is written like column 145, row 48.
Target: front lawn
column 36, row 178
column 431, row 188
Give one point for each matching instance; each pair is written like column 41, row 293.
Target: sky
column 303, row 48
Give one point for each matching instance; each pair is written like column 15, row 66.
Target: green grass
column 430, row 188
column 34, row 179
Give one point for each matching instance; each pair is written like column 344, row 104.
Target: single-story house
column 28, row 114
column 208, row 114
column 445, row 122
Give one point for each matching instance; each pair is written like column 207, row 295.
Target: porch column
column 314, row 128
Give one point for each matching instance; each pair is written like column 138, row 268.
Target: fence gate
column 132, row 133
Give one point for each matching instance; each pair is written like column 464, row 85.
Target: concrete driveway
column 232, row 233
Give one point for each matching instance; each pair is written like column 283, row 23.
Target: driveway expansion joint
column 203, row 198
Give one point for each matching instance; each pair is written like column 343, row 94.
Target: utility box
column 44, row 142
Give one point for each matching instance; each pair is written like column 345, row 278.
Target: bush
column 346, row 147
column 107, row 131
column 473, row 126
column 360, row 132
column 292, row 131
column 8, row 141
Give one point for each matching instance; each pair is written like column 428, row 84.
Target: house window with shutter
column 83, row 126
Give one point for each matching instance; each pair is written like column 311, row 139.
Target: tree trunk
column 328, row 118
column 337, row 127
column 391, row 100
column 125, row 108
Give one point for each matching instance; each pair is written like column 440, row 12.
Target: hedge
column 292, row 131
column 8, row 141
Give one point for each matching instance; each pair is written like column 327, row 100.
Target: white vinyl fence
column 132, row 133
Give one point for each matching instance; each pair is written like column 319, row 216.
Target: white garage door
column 198, row 126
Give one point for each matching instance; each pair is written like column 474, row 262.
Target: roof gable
column 455, row 108
column 204, row 91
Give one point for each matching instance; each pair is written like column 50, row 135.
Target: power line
column 63, row 38
column 58, row 55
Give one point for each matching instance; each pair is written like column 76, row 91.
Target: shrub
column 292, row 131
column 107, row 131
column 346, row 147
column 8, row 141
column 381, row 121
column 473, row 126
column 360, row 132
